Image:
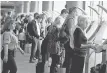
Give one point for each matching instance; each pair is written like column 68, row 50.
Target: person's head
column 82, row 21
column 44, row 16
column 35, row 15
column 9, row 13
column 10, row 25
column 22, row 16
column 49, row 20
column 30, row 18
column 64, row 13
column 73, row 11
column 39, row 18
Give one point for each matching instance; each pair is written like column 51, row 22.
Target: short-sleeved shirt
column 10, row 39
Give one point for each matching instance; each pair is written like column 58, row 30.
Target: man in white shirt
column 70, row 25
column 61, row 18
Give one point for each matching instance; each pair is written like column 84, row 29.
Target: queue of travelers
column 64, row 37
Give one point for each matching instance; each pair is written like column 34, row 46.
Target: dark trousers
column 45, row 58
column 44, row 53
column 22, row 44
column 35, row 46
column 77, row 64
column 10, row 65
column 68, row 62
column 55, row 61
column 68, row 57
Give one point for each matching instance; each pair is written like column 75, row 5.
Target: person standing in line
column 31, row 35
column 10, row 44
column 80, row 45
column 54, row 46
column 67, row 37
column 42, row 32
column 35, row 33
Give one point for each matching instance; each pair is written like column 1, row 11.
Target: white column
column 33, row 6
column 40, row 7
column 71, row 4
column 19, row 7
column 47, row 6
column 22, row 7
column 26, row 6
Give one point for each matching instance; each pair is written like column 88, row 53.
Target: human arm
column 35, row 29
column 69, row 25
column 88, row 46
column 6, row 41
column 81, row 40
column 5, row 59
column 20, row 49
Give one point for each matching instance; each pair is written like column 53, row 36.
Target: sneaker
column 34, row 58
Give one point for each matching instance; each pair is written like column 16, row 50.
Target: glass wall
column 102, row 33
column 58, row 6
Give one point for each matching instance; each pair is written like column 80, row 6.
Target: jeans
column 68, row 57
column 35, row 46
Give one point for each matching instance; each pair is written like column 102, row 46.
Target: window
column 104, row 15
column 94, row 17
column 92, row 13
column 58, row 6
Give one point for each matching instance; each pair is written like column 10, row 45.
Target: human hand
column 104, row 46
column 92, row 46
column 23, row 53
column 98, row 48
column 40, row 38
column 89, row 42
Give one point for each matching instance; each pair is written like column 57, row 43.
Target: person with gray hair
column 81, row 45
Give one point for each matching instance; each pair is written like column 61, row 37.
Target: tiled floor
column 23, row 63
column 24, row 66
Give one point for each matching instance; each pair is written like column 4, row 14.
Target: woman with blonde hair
column 10, row 44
